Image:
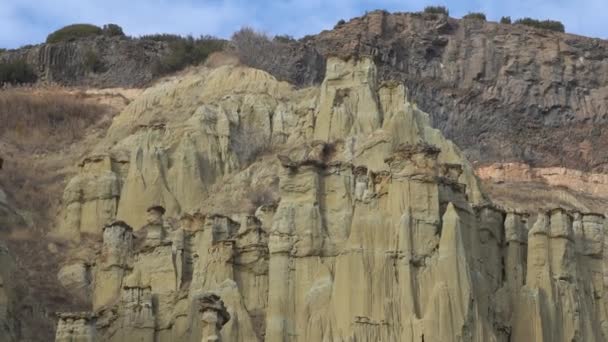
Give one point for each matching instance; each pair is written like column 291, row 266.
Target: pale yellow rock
column 348, row 103
column 90, row 198
column 76, row 327
column 116, row 255
column 378, row 230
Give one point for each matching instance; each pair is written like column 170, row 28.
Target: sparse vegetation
column 475, row 15
column 552, row 25
column 256, row 49
column 505, row 20
column 340, row 23
column 185, row 51
column 436, row 10
column 113, row 30
column 16, row 72
column 277, row 57
column 73, row 32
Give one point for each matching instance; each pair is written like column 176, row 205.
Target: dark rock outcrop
column 100, row 61
column 501, row 92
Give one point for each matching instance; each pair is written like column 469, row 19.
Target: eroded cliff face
column 501, row 92
column 372, row 226
column 121, row 61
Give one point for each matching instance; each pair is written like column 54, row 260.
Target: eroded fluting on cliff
column 380, row 233
column 395, row 281
column 170, row 145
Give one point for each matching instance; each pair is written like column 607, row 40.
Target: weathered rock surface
column 501, row 92
column 379, row 232
column 522, row 188
column 123, row 62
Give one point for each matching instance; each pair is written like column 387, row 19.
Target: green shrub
column 552, row 25
column 475, row 15
column 340, row 23
column 16, row 72
column 92, row 62
column 113, row 30
column 187, row 51
column 505, row 20
column 72, row 32
column 436, row 10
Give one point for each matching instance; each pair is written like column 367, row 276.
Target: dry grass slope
column 45, row 119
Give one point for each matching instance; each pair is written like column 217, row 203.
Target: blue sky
column 29, row 21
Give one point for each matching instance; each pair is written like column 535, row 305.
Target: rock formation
column 380, row 230
column 76, row 327
column 123, row 62
column 501, row 92
column 214, row 317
